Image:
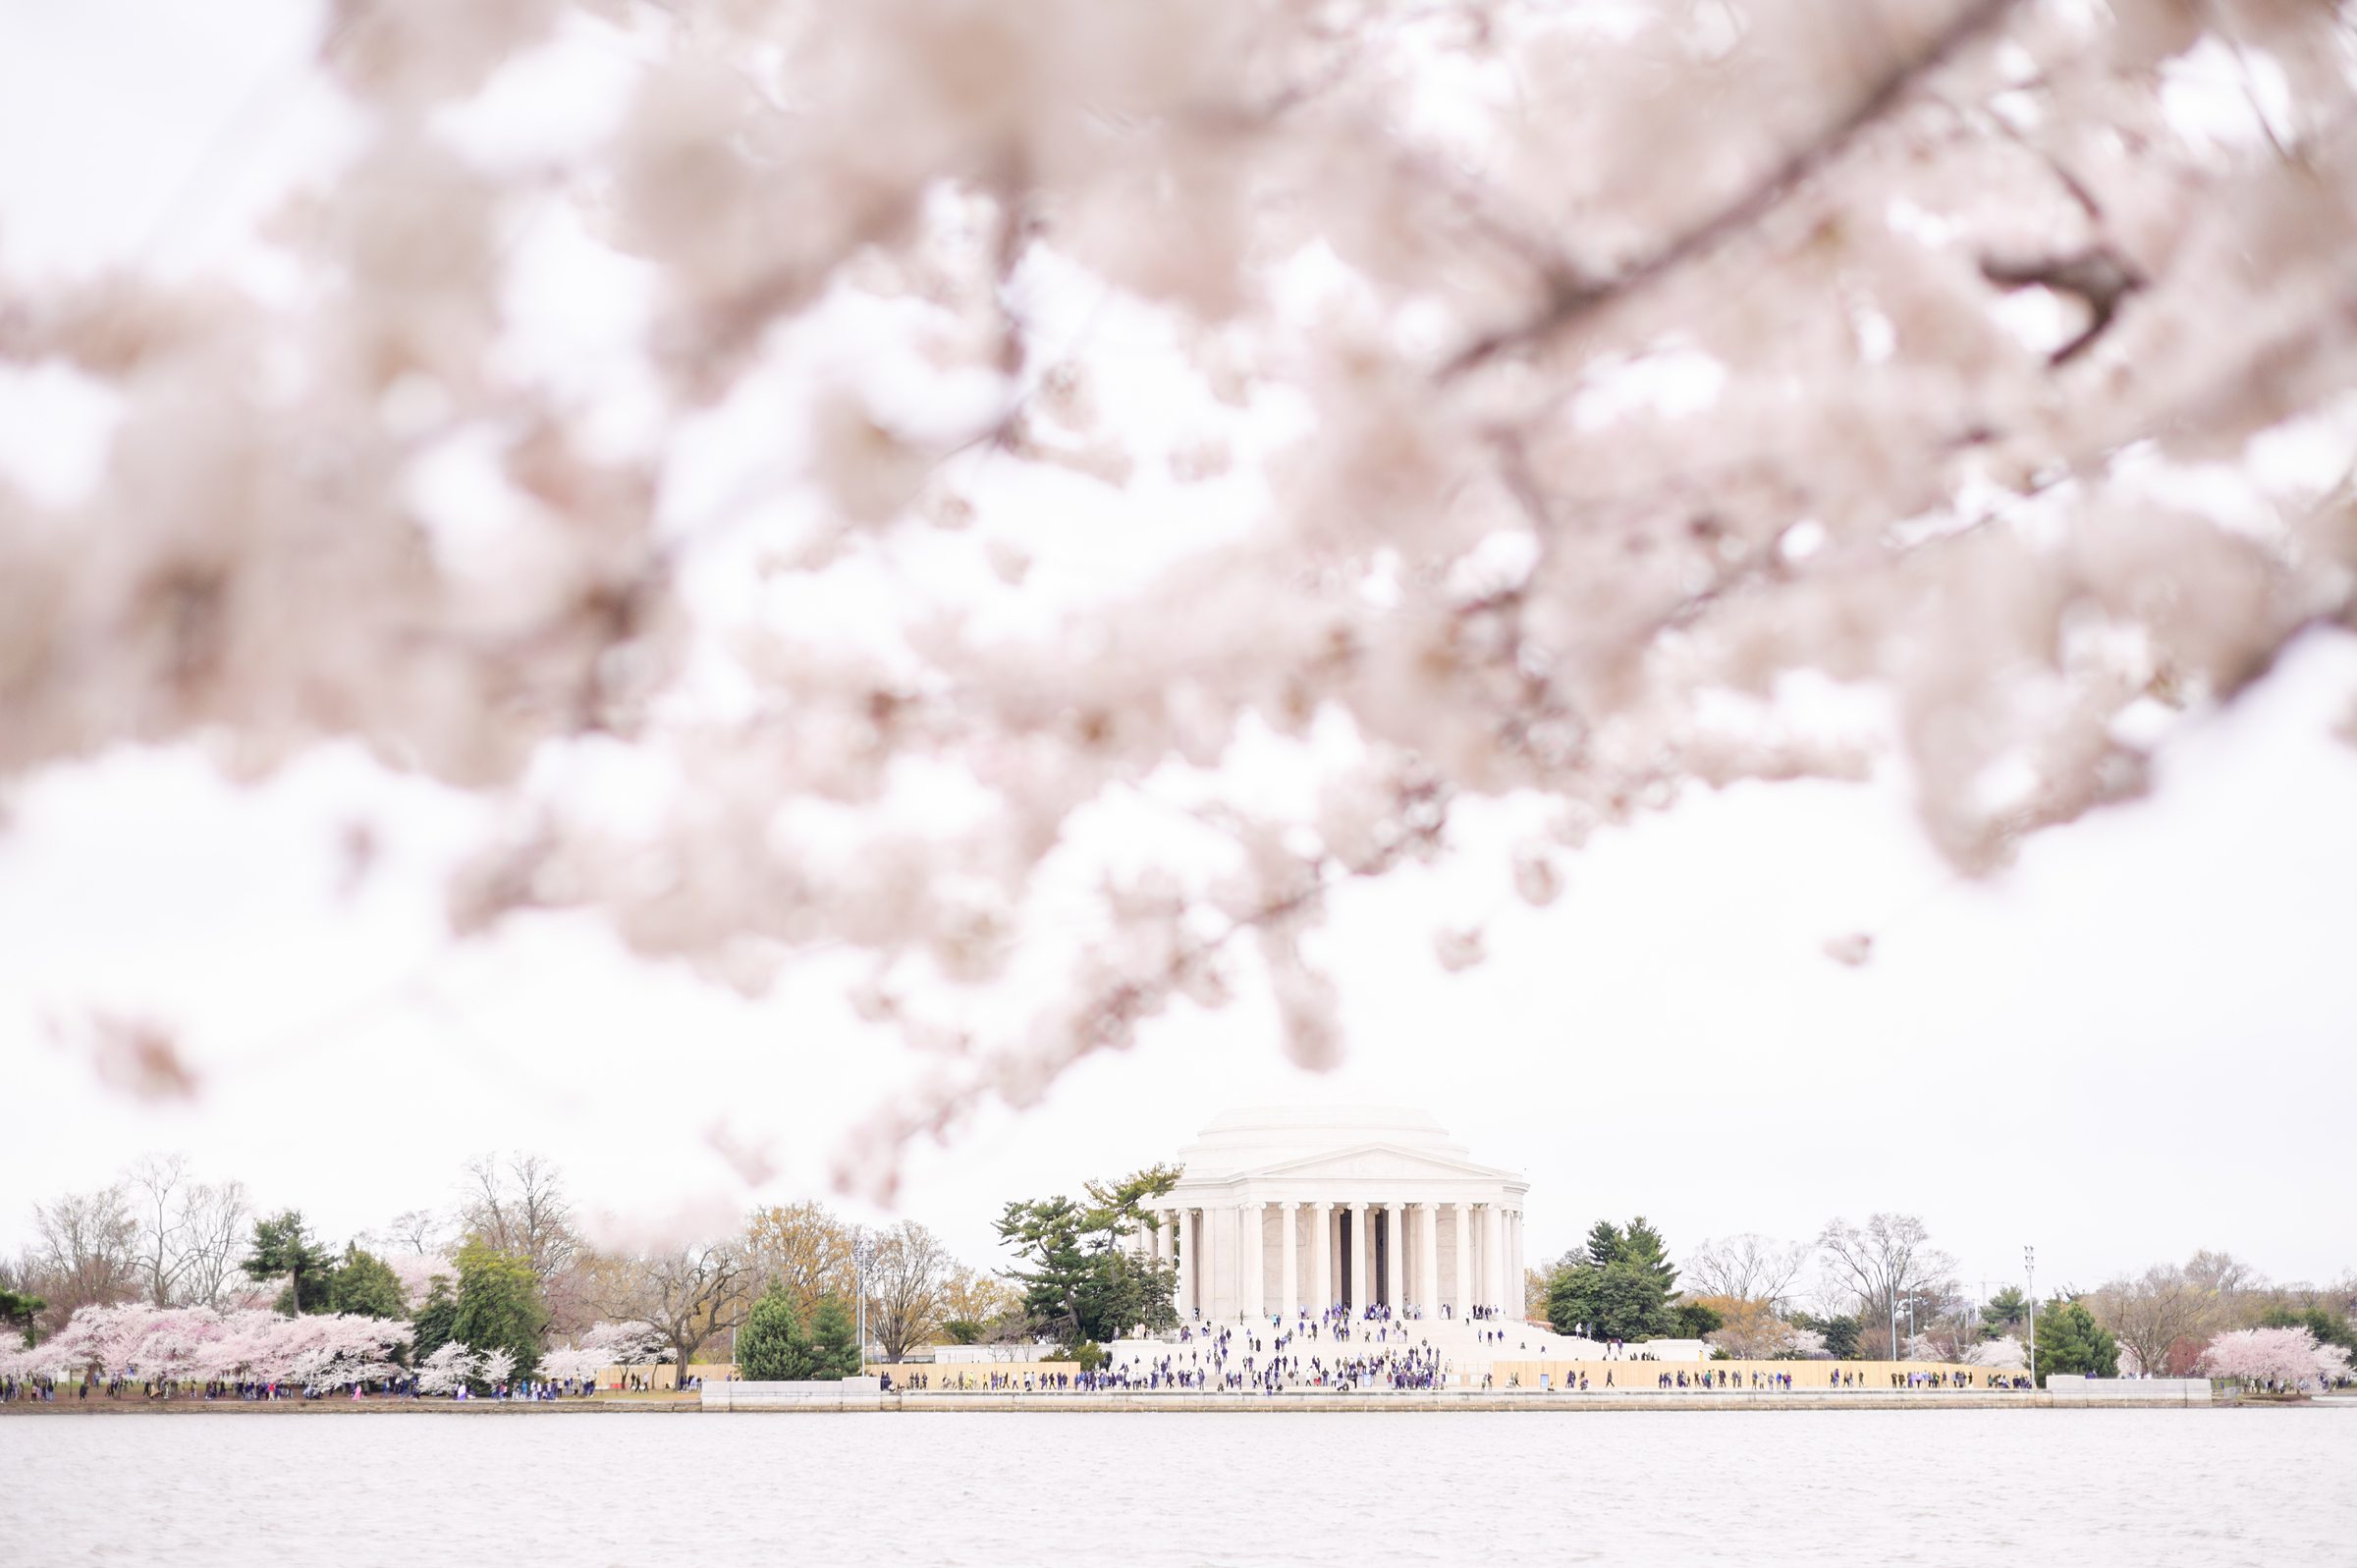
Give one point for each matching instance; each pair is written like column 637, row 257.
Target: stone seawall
column 835, row 1402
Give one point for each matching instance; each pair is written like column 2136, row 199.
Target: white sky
column 2131, row 1044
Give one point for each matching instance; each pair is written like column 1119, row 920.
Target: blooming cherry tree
column 2289, row 1358
column 1540, row 395
column 446, row 1368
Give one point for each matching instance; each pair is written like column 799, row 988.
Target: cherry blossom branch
column 1573, row 300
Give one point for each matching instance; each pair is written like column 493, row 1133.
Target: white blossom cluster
column 320, row 1350
column 1484, row 398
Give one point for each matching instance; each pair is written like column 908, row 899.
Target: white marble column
column 1183, row 1240
column 1515, row 1291
column 1359, row 1259
column 1427, row 1289
column 1321, row 1257
column 1251, row 1257
column 1162, row 1235
column 1493, row 1256
column 1394, row 1255
column 1288, row 1273
column 1464, row 1260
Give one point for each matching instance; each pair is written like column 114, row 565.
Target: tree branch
column 1576, row 300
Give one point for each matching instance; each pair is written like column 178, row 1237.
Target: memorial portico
column 1301, row 1207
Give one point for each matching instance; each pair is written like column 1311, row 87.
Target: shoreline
column 1532, row 1403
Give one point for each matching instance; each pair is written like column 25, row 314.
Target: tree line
column 502, row 1271
column 1882, row 1290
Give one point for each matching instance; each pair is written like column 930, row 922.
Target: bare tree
column 156, row 1190
column 520, row 1207
column 191, row 1234
column 688, row 1295
column 1887, row 1264
column 215, row 1228
column 1746, row 1268
column 908, row 1287
column 86, row 1250
column 2225, row 1279
column 804, row 1245
column 2156, row 1314
column 981, row 1298
column 416, row 1231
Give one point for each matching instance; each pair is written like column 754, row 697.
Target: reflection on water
column 1956, row 1488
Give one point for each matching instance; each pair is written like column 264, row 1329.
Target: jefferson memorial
column 1294, row 1208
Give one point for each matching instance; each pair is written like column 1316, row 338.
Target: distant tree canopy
column 2329, row 1327
column 1620, row 1287
column 1080, row 1276
column 2007, row 1308
column 1840, row 1331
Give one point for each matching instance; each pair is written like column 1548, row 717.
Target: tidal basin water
column 1954, row 1489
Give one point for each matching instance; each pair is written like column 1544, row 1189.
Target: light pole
column 2029, row 1267
column 863, row 1256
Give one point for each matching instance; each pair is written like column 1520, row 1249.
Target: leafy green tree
column 499, row 1304
column 284, row 1248
column 835, row 1341
column 772, row 1346
column 1089, row 1354
column 1696, row 1321
column 2070, row 1340
column 432, row 1323
column 962, row 1331
column 366, row 1285
column 1079, row 1277
column 2007, row 1308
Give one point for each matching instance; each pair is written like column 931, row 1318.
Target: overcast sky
column 2132, row 1044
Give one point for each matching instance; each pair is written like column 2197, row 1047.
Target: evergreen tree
column 1617, row 1301
column 2070, row 1340
column 1619, row 1288
column 366, row 1285
column 499, row 1304
column 432, row 1323
column 2007, row 1308
column 772, row 1347
column 18, row 1309
column 1080, row 1279
column 835, row 1341
column 1642, row 1247
column 284, row 1248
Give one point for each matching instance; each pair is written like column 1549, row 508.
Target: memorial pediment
column 1377, row 1161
